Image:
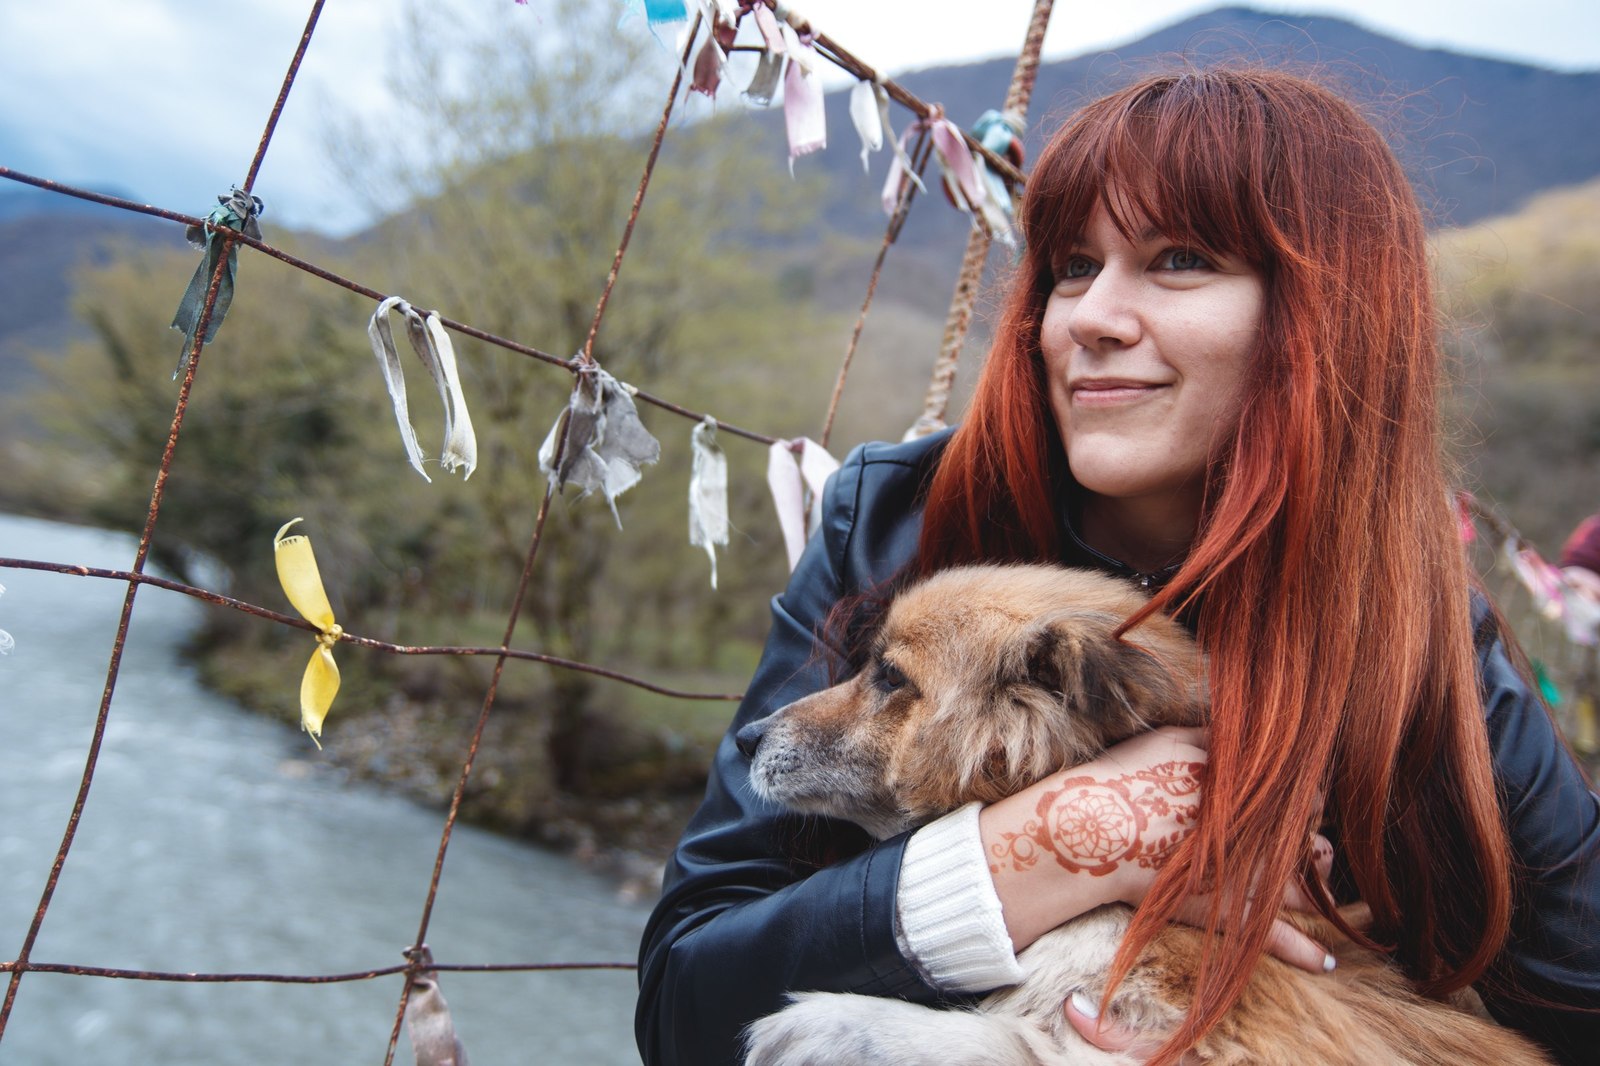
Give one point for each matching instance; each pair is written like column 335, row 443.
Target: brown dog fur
column 982, row 681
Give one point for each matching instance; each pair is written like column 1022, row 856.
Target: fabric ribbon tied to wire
column 428, row 1022
column 431, row 342
column 962, row 169
column 708, row 493
column 237, row 211
column 606, row 444
column 796, row 469
column 869, row 113
column 1553, row 595
column 786, row 55
column 1001, row 133
column 302, row 584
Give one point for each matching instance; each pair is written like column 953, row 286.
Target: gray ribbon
column 606, row 442
column 433, row 1034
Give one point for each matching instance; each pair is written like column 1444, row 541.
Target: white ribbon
column 868, row 118
column 788, row 478
column 432, row 344
column 1554, row 596
column 708, row 493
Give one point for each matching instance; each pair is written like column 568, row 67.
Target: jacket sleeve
column 1547, row 982
column 739, row 925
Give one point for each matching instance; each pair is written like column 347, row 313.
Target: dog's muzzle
column 748, row 739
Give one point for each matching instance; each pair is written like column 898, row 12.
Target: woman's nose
column 1106, row 314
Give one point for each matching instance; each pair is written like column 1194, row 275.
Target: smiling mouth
column 1108, row 393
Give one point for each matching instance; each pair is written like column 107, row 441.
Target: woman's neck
column 1147, row 534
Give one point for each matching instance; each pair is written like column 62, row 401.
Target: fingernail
column 1086, row 1007
column 1328, row 963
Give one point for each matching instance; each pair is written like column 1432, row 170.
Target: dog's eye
column 888, row 676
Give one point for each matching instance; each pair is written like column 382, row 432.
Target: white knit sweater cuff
column 949, row 919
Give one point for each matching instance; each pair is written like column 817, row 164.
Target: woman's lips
column 1109, row 393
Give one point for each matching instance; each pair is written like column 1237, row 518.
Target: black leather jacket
column 741, row 922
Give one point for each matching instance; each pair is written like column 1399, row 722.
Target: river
column 217, row 841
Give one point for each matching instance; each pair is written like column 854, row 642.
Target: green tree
column 517, row 157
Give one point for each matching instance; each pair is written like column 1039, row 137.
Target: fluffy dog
column 982, row 681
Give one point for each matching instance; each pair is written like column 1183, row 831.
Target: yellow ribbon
column 302, row 583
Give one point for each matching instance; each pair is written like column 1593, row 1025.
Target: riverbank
column 616, row 807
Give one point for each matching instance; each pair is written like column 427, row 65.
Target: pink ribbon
column 803, row 113
column 712, row 58
column 793, row 468
column 961, row 175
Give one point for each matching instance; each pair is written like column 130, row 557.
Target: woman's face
column 1145, row 347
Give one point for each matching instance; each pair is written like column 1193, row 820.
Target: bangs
column 1184, row 155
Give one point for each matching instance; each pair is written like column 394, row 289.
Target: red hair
column 1326, row 580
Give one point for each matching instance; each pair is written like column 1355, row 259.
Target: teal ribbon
column 237, row 211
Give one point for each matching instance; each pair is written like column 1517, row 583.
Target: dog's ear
column 1118, row 684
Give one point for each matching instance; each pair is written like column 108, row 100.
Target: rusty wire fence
column 135, row 578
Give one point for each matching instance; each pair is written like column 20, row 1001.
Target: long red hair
column 1326, row 580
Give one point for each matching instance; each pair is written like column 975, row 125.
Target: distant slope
column 1480, row 137
column 40, row 251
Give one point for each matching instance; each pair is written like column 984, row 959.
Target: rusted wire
column 415, row 954
column 372, row 294
column 348, row 637
column 283, row 95
column 136, row 577
column 179, row 977
column 586, row 357
column 891, row 232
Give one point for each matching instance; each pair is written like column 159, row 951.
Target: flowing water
column 217, row 841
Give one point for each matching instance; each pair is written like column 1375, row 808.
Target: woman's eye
column 1075, row 267
column 1184, row 259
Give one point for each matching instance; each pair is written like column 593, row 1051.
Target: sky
column 165, row 99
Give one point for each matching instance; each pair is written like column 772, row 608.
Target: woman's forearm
column 1094, row 834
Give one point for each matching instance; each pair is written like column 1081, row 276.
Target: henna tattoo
column 1093, row 825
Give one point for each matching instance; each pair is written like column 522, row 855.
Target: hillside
column 1481, row 137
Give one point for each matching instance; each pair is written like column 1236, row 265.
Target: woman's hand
column 1100, row 833
column 1285, row 941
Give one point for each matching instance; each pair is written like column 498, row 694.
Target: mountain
column 1479, row 136
column 44, row 239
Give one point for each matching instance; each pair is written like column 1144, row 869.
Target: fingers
column 1295, row 896
column 1294, row 947
column 1083, row 1014
column 1322, row 856
column 1284, row 941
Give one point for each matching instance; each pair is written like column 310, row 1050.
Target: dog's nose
column 748, row 739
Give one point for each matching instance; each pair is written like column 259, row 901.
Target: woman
column 1216, row 375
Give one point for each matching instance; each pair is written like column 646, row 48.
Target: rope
column 970, row 279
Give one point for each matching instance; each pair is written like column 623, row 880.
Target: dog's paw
column 829, row 1029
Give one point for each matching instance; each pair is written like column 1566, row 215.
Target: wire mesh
column 135, row 578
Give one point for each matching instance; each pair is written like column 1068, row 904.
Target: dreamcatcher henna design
column 1092, row 825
